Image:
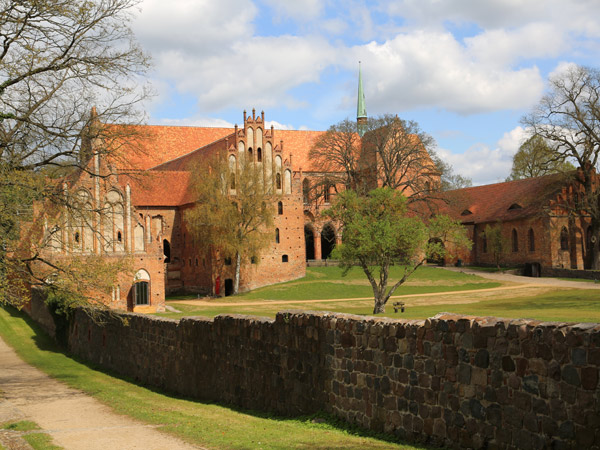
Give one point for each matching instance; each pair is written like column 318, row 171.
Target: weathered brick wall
column 450, row 380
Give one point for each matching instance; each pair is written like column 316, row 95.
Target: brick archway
column 328, row 240
column 309, row 241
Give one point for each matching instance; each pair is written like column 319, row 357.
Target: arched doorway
column 228, row 287
column 139, row 294
column 309, row 240
column 327, row 241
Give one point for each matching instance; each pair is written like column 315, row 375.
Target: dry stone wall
column 462, row 382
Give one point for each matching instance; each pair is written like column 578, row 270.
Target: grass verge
column 208, row 425
column 38, row 441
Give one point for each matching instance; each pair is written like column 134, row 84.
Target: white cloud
column 302, row 10
column 197, row 122
column 277, row 125
column 431, row 69
column 579, row 15
column 200, row 27
column 257, row 71
column 503, row 47
column 486, row 165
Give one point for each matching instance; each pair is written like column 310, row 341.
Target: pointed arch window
column 277, row 235
column 278, row 181
column 259, row 154
column 564, row 239
column 531, row 238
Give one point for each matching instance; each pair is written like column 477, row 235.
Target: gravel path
column 517, row 282
column 527, row 280
column 73, row 419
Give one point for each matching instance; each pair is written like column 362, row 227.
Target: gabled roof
column 157, row 144
column 155, row 188
column 503, row 201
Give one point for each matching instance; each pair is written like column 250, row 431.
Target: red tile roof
column 492, row 202
column 154, row 188
column 156, row 144
column 298, row 143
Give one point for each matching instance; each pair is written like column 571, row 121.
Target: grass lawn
column 543, row 303
column 38, row 441
column 207, row 425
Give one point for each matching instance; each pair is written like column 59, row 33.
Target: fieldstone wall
column 571, row 273
column 462, row 382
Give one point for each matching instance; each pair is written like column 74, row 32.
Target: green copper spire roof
column 361, row 110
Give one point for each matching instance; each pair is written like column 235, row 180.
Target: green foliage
column 62, row 306
column 497, row 243
column 234, row 211
column 376, row 229
column 536, row 158
column 378, row 232
column 60, row 59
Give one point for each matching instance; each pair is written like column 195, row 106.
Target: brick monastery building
column 146, row 196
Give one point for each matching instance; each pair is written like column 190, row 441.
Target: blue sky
column 465, row 70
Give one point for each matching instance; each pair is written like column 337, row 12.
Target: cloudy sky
column 465, row 70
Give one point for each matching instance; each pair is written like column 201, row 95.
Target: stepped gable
column 155, row 188
column 295, row 142
column 503, row 201
column 160, row 143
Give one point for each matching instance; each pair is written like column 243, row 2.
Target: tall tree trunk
column 379, row 307
column 236, row 279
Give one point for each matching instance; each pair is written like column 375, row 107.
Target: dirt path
column 526, row 280
column 73, row 419
column 520, row 282
column 332, row 300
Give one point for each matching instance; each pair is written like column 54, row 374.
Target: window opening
column 141, row 293
column 531, row 240
column 564, row 239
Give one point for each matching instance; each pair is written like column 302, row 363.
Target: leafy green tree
column 378, row 232
column 496, row 243
column 59, row 60
column 536, row 158
column 233, row 215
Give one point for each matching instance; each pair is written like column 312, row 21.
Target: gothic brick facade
column 141, row 213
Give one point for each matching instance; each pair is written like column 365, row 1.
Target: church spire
column 361, row 110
